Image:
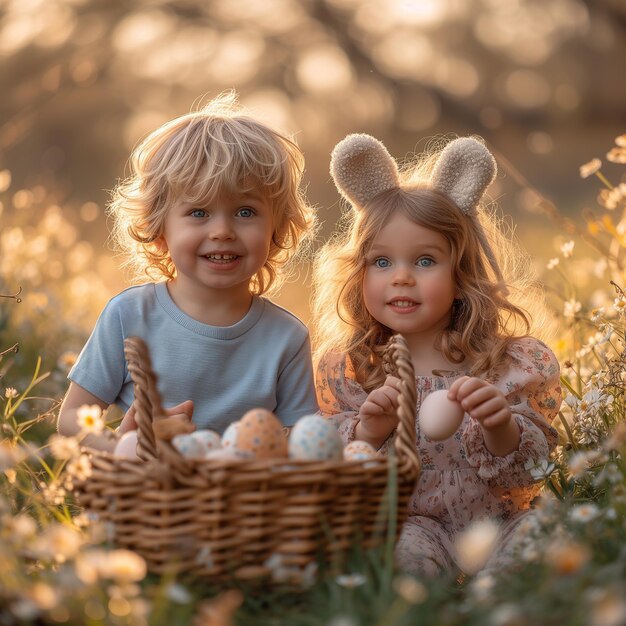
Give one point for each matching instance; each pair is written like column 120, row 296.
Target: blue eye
column 198, row 213
column 424, row 262
column 382, row 262
column 245, row 212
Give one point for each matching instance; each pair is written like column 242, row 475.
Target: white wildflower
column 507, row 614
column 23, row 527
column 571, row 307
column 63, row 448
column 482, row 587
column 89, row 418
column 79, row 468
column 584, row 512
column 540, row 469
column 43, row 595
column 126, row 566
column 350, row 580
column 608, row 608
column 578, row 464
column 205, row 557
column 552, row 263
column 475, row 544
column 342, row 620
column 619, row 305
column 10, row 455
column 10, row 393
column 410, row 589
column 567, row 249
column 178, row 593
column 58, row 543
column 589, row 168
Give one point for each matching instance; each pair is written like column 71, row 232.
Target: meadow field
column 57, row 565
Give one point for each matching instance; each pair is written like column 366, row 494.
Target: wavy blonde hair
column 484, row 320
column 193, row 159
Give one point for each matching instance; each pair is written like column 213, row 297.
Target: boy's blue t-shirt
column 264, row 360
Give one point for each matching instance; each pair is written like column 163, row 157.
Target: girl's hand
column 483, row 401
column 489, row 407
column 378, row 414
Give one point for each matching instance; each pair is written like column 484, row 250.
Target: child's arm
column 67, row 423
column 378, row 415
column 486, row 404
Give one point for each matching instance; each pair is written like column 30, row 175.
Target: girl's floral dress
column 460, row 480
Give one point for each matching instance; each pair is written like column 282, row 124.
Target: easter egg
column 126, row 446
column 229, row 437
column 188, row 445
column 260, row 433
column 314, row 438
column 358, row 451
column 440, row 417
column 227, row 453
column 208, row 439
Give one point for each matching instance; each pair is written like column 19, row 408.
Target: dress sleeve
column 338, row 394
column 530, row 382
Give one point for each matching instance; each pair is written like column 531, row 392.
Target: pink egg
column 126, row 447
column 440, row 417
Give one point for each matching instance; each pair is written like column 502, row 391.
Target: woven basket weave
column 230, row 518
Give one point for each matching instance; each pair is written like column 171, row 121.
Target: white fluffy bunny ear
column 362, row 168
column 463, row 171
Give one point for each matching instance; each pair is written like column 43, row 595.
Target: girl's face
column 216, row 249
column 408, row 284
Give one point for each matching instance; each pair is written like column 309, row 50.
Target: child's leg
column 421, row 548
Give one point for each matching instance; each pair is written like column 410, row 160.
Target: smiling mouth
column 403, row 304
column 221, row 258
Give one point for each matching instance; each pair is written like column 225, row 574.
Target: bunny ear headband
column 362, row 168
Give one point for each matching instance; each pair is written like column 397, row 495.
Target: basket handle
column 147, row 400
column 397, row 362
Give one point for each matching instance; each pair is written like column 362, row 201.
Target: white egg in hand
column 440, row 417
column 126, row 446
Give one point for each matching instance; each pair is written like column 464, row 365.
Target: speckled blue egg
column 188, row 445
column 209, row 439
column 314, row 438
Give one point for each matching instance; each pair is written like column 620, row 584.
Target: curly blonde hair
column 193, row 159
column 484, row 320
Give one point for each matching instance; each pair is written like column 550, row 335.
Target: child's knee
column 421, row 553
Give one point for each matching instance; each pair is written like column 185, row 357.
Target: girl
column 214, row 210
column 416, row 259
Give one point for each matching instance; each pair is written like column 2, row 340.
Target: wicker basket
column 233, row 518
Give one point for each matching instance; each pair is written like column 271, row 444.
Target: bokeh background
column 83, row 80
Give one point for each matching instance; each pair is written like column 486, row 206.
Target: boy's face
column 219, row 247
